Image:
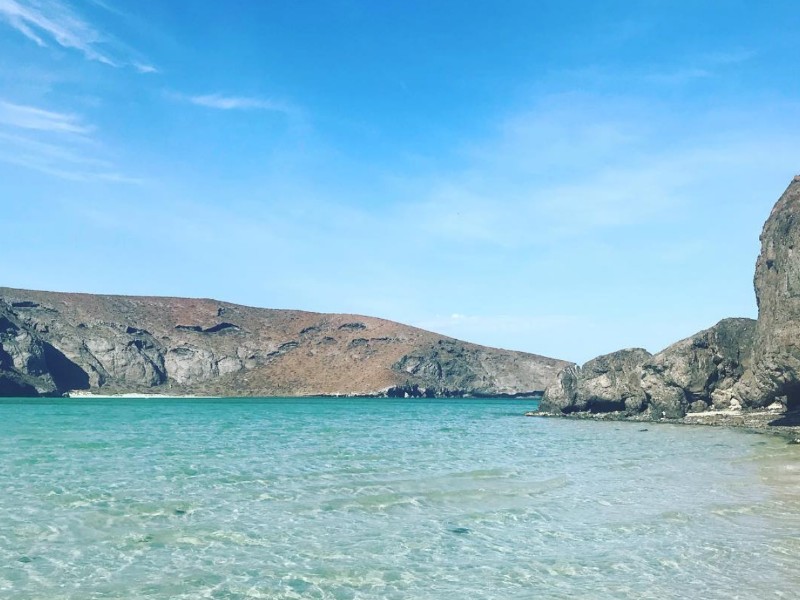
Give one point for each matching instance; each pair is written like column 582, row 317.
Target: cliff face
column 690, row 375
column 52, row 343
column 697, row 373
column 775, row 371
column 607, row 383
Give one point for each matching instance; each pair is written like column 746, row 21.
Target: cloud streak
column 47, row 21
column 58, row 144
column 31, row 117
column 38, row 20
column 144, row 68
column 223, row 102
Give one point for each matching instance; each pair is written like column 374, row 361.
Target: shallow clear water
column 330, row 498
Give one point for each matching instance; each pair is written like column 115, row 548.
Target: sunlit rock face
column 698, row 372
column 611, row 382
column 775, row 369
column 688, row 376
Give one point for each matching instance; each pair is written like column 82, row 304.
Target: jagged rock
column 182, row 346
column 691, row 374
column 611, row 382
column 688, row 376
column 775, row 369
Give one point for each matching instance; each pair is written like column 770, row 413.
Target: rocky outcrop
column 775, row 369
column 688, row 376
column 611, row 382
column 698, row 372
column 738, row 364
column 52, row 343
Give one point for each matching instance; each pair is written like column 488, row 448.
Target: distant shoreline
column 133, row 395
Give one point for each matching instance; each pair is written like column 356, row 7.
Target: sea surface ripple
column 395, row 499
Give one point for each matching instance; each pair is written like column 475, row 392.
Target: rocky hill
column 54, row 343
column 738, row 365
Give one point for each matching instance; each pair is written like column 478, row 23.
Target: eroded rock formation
column 691, row 375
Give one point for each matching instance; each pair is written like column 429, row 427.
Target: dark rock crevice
column 10, row 387
column 66, row 374
column 220, row 327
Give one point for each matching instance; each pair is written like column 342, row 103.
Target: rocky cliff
column 775, row 371
column 738, row 364
column 607, row 383
column 697, row 373
column 53, row 343
column 689, row 375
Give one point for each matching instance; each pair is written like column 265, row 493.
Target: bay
column 375, row 498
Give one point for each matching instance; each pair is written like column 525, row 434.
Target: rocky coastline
column 771, row 420
column 739, row 373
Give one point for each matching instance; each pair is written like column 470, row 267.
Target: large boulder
column 611, row 382
column 775, row 369
column 694, row 373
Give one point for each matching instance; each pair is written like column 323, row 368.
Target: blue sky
column 566, row 178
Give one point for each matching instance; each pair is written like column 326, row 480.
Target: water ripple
column 366, row 499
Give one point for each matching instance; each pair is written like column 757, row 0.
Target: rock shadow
column 65, row 373
column 790, row 419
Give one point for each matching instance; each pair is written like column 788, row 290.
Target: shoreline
column 136, row 395
column 763, row 421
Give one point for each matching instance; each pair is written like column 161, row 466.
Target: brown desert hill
column 52, row 343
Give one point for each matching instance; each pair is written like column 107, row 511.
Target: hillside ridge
column 53, row 343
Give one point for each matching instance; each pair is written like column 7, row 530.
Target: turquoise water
column 417, row 499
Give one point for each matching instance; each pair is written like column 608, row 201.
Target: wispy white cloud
column 37, row 19
column 144, row 68
column 31, row 117
column 61, row 170
column 223, row 102
column 585, row 165
column 59, row 144
column 47, row 21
